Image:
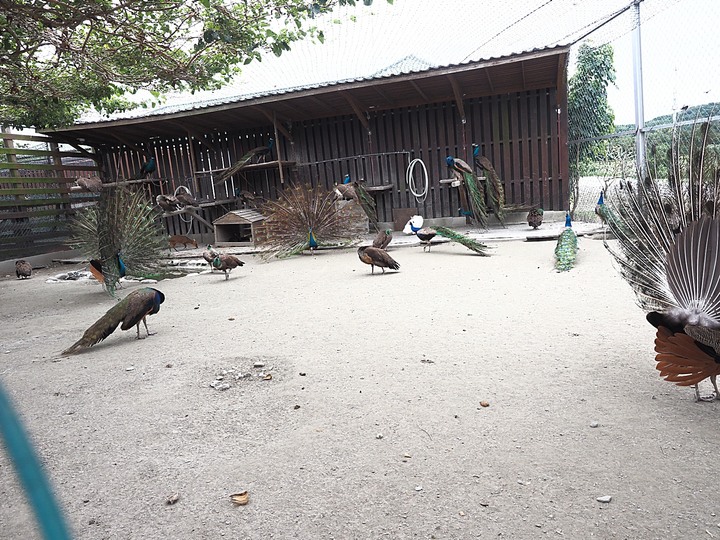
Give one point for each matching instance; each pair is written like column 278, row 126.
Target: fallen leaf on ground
column 241, row 499
column 172, row 499
column 484, row 403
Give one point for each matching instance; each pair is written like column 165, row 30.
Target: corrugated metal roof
column 407, row 37
column 239, row 216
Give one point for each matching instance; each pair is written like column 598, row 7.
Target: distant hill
column 698, row 111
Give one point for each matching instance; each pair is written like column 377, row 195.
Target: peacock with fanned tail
column 305, row 218
column 667, row 248
column 119, row 234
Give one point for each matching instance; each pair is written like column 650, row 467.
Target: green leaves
column 58, row 62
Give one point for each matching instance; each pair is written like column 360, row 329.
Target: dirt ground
column 371, row 425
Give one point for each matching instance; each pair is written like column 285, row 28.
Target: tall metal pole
column 640, row 160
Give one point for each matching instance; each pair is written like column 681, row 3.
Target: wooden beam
column 192, row 213
column 192, row 133
column 384, row 96
column 522, row 70
column 487, row 74
column 561, row 83
column 417, row 89
column 277, row 125
column 127, row 143
column 458, row 97
column 359, row 112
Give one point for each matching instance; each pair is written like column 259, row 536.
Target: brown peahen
column 668, row 250
column 377, row 257
column 226, row 263
column 535, row 217
column 23, row 269
column 129, row 312
column 383, row 239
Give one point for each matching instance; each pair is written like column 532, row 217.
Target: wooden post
column 277, row 146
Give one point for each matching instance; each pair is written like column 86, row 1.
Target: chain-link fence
column 678, row 45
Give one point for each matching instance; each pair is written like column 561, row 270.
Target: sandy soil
column 371, row 426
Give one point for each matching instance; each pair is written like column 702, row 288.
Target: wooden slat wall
column 35, row 198
column 521, row 133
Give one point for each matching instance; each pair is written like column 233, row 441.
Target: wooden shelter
column 514, row 107
column 239, row 228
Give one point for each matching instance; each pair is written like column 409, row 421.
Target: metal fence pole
column 638, row 90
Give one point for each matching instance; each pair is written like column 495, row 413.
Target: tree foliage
column 59, row 57
column 589, row 113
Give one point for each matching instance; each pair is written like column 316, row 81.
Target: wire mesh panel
column 36, row 198
column 675, row 43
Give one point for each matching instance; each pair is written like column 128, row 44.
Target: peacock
column 366, row 201
column 96, row 268
column 667, row 247
column 265, row 152
column 169, row 203
column 426, row 234
column 209, row 255
column 246, row 159
column 493, row 185
column 23, row 269
column 383, row 239
column 122, row 234
column 535, row 217
column 475, row 190
column 129, row 312
column 346, row 190
column 147, row 168
column 377, row 257
column 185, row 198
column 305, row 218
column 566, row 247
column 93, row 184
column 226, row 262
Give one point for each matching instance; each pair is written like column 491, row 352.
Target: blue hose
column 31, row 473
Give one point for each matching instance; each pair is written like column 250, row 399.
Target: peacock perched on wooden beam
column 120, row 233
column 475, row 190
column 493, row 184
column 305, row 218
column 667, row 248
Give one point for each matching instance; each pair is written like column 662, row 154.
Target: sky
column 680, row 61
column 681, row 45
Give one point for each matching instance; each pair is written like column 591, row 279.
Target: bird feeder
column 239, row 228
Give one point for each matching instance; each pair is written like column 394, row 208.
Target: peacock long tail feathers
column 477, row 198
column 494, row 188
column 566, row 250
column 367, row 203
column 466, row 241
column 239, row 164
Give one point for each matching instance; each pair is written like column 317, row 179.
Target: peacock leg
column 699, row 398
column 149, row 333
column 383, row 269
column 372, row 268
column 713, row 380
column 227, row 276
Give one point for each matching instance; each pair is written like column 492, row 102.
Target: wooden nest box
column 239, row 228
